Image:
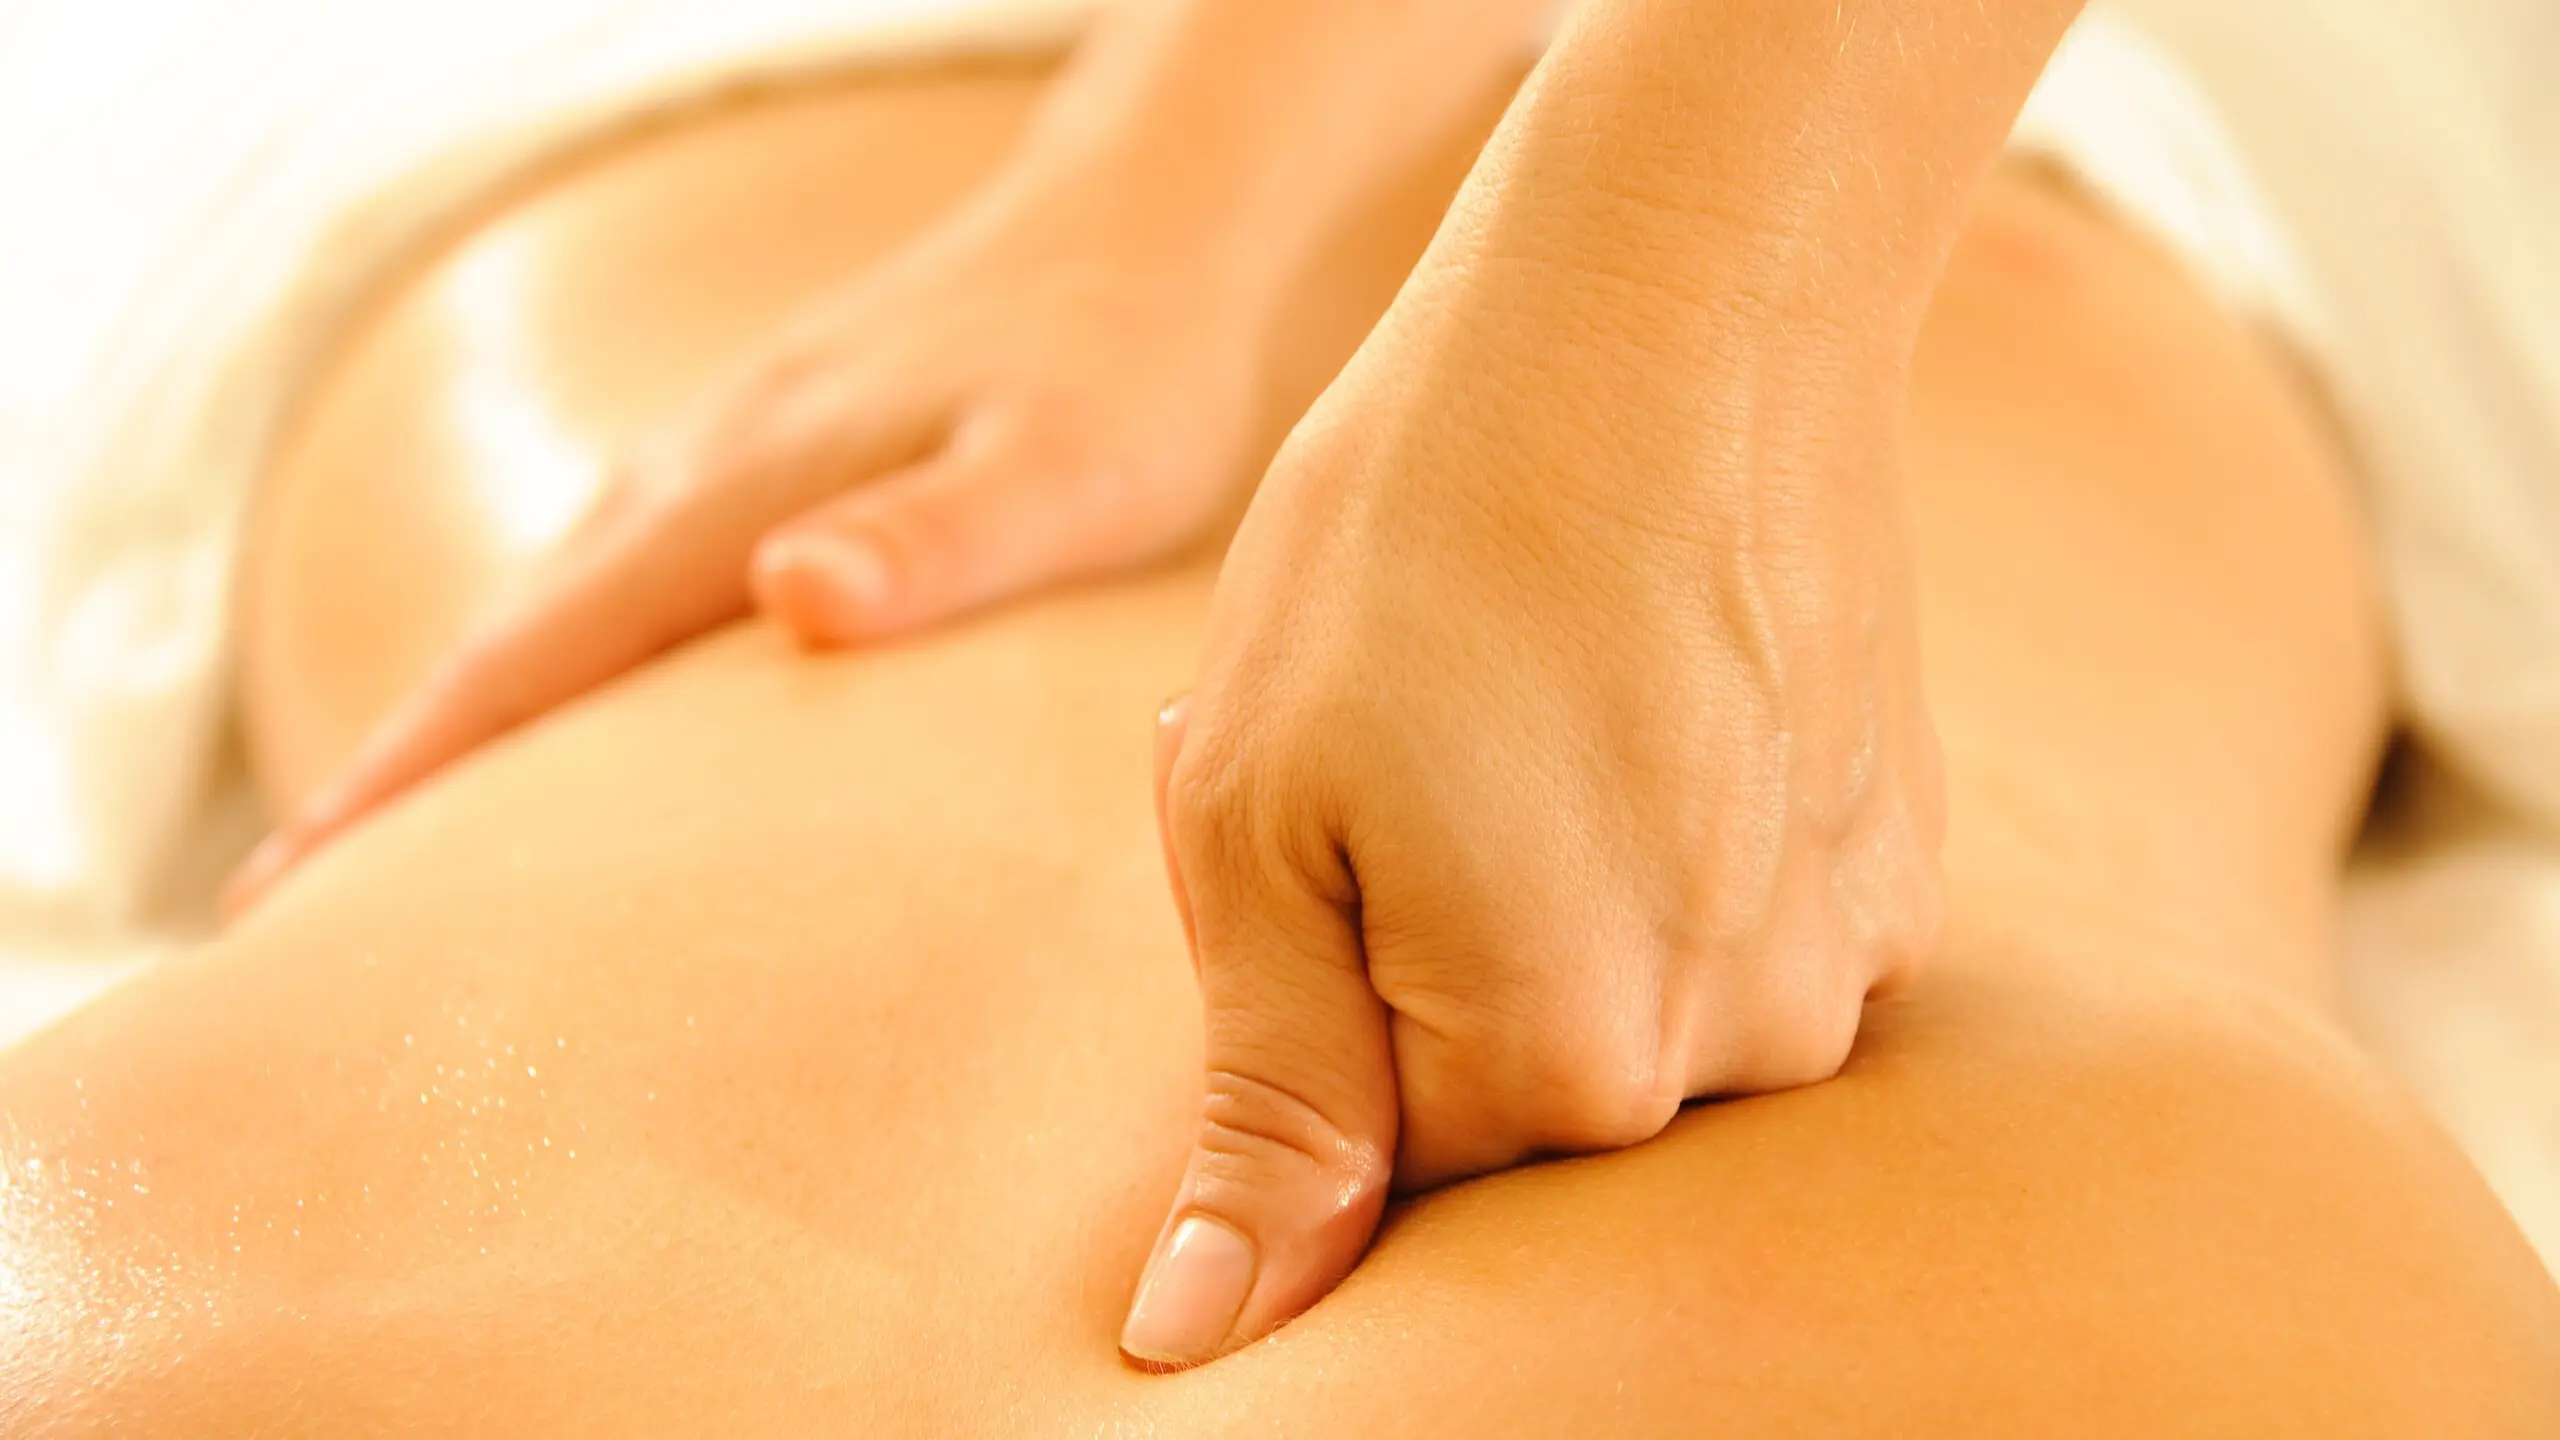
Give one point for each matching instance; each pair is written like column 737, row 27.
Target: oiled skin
column 788, row 1046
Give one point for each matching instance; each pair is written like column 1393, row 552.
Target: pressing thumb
column 1297, row 1135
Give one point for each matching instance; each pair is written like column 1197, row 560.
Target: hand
column 1559, row 754
column 1041, row 388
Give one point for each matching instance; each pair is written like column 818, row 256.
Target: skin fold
column 778, row 1045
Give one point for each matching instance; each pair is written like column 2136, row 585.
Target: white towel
column 2381, row 179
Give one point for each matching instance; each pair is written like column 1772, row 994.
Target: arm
column 1057, row 380
column 1810, row 161
column 1559, row 752
column 1247, row 129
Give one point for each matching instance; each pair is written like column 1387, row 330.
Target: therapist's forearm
column 1795, row 167
column 1241, row 131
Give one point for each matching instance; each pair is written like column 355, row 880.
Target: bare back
column 784, row 1045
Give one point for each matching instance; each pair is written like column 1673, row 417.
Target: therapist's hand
column 1558, row 754
column 1052, row 384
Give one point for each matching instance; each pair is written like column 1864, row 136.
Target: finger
column 1289, row 1172
column 979, row 523
column 634, row 592
column 659, row 563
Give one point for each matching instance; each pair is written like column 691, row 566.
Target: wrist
column 1625, row 411
column 1122, row 210
column 1770, row 255
column 1232, row 138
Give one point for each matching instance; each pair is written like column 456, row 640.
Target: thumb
column 974, row 525
column 1298, row 1124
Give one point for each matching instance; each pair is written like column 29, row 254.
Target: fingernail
column 853, row 574
column 1194, row 1288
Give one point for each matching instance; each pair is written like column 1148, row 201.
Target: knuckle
column 1258, row 1136
column 1610, row 1111
column 1905, row 950
column 920, row 530
column 1791, row 1044
column 900, row 523
column 1208, row 807
column 1888, row 919
column 1246, row 819
column 1603, row 1090
column 1047, row 426
column 1095, row 490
